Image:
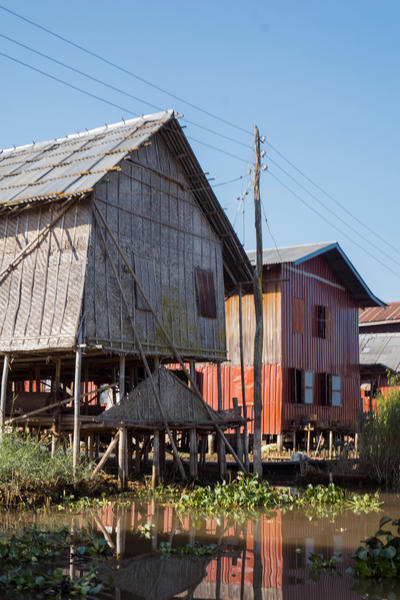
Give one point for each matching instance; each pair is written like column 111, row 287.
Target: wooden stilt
column 279, row 442
column 239, row 447
column 138, row 454
column 122, row 446
column 330, row 444
column 55, row 428
column 77, row 410
column 3, row 397
column 203, row 451
column 155, row 475
column 210, row 443
column 308, row 440
column 53, row 439
column 356, row 443
column 106, row 454
column 221, row 446
column 294, row 440
column 245, row 430
column 162, row 454
column 129, row 457
column 193, row 453
column 91, row 446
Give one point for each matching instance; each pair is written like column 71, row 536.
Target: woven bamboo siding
column 163, row 232
column 337, row 355
column 41, row 298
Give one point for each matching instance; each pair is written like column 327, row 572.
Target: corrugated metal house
column 63, row 283
column 312, row 295
column 379, row 349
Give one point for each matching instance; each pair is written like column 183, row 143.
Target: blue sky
column 321, row 80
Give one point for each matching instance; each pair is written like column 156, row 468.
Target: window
column 298, row 306
column 323, row 322
column 308, row 387
column 205, row 294
column 336, row 384
column 303, row 384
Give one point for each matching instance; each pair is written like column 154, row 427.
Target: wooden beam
column 245, row 430
column 193, row 453
column 106, row 454
column 122, row 446
column 165, row 334
column 155, row 475
column 138, row 342
column 258, row 305
column 77, row 410
column 3, row 397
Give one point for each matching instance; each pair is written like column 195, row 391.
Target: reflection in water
column 262, row 559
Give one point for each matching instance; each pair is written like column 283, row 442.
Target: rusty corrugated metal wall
column 338, row 354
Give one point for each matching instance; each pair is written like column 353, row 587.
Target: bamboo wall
column 41, row 298
column 165, row 236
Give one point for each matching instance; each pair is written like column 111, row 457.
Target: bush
column 29, row 473
column 380, row 439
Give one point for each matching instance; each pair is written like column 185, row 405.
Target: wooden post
column 308, row 440
column 3, row 397
column 122, row 446
column 193, row 453
column 279, row 442
column 239, row 447
column 155, row 475
column 330, row 444
column 210, row 443
column 162, row 454
column 356, row 444
column 245, row 430
column 192, row 366
column 221, row 446
column 55, row 428
column 77, row 410
column 294, row 440
column 138, row 454
column 258, row 305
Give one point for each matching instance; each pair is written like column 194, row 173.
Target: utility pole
column 258, row 304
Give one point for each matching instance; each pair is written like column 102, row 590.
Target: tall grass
column 380, row 440
column 28, row 472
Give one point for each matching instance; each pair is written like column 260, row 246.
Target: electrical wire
column 333, row 199
column 196, row 107
column 327, row 208
column 124, row 70
column 314, row 210
column 101, row 99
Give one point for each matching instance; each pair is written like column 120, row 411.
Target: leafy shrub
column 380, row 440
column 29, row 473
column 379, row 557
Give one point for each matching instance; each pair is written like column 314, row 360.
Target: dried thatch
column 180, row 404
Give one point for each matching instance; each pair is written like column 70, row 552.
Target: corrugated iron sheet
column 380, row 349
column 72, row 164
column 377, row 314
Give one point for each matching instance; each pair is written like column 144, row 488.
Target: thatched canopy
column 181, row 405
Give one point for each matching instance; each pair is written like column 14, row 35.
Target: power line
column 124, row 70
column 188, row 103
column 115, row 88
column 335, row 200
column 101, row 99
column 314, row 210
column 327, row 208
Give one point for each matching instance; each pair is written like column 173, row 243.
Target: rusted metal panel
column 375, row 314
column 336, row 353
column 232, row 388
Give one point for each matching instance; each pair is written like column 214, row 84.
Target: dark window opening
column 298, row 386
column 205, row 294
column 321, row 321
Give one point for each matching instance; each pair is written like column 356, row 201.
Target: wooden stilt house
column 115, row 255
column 311, row 377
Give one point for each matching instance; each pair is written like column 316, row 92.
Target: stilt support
column 77, row 411
column 3, row 397
column 193, row 453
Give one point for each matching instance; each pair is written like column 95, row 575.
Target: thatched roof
column 180, row 404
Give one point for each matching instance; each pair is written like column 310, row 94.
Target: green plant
column 195, row 550
column 319, row 564
column 379, row 438
column 31, row 563
column 379, row 556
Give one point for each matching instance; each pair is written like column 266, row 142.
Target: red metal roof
column 376, row 314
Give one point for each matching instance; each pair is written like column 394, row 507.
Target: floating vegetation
column 31, row 564
column 195, row 550
column 320, row 564
column 247, row 494
column 379, row 556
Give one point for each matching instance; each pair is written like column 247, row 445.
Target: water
column 265, row 558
